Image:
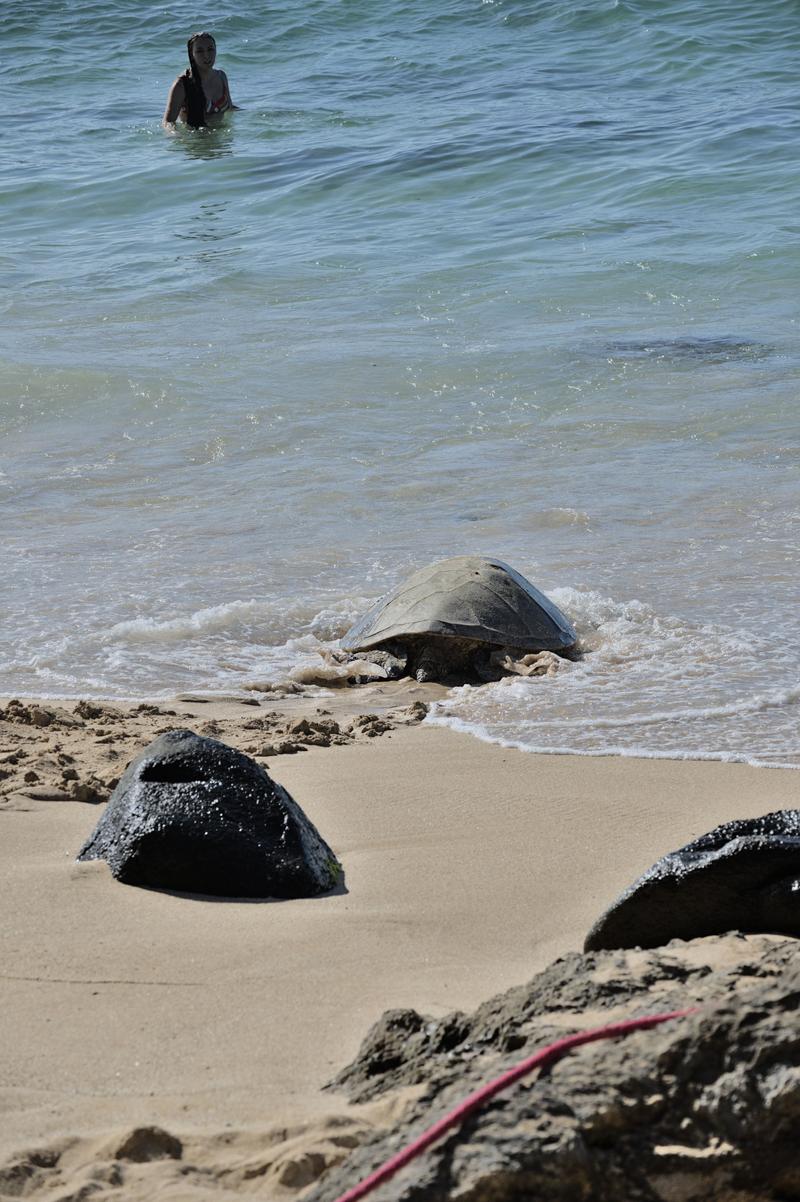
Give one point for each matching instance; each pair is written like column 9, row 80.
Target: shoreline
column 382, row 698
column 468, row 868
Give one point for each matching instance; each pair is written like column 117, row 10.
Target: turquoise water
column 512, row 278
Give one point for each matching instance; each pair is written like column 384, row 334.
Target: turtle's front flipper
column 429, row 663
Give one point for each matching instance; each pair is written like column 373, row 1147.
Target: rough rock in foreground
column 194, row 815
column 702, row 1109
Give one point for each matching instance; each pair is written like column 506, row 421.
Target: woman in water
column 201, row 95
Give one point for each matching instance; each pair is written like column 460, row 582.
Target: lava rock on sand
column 704, row 1108
column 192, row 814
column 743, row 875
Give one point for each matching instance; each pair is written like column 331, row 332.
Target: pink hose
column 455, row 1117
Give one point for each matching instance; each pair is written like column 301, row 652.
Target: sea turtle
column 460, row 619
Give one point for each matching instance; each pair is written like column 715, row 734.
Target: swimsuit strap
column 215, row 106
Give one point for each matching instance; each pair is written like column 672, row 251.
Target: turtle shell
column 467, row 597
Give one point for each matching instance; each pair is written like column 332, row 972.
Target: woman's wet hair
column 195, row 96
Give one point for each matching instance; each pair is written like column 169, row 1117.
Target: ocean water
column 462, row 276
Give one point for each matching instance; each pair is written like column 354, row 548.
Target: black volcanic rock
column 194, row 815
column 743, row 876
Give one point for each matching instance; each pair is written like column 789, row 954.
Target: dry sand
column 468, row 868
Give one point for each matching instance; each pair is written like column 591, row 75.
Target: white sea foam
column 263, row 619
column 644, row 752
column 214, row 619
column 612, row 701
column 750, row 705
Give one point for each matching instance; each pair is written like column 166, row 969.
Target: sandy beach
column 468, row 868
column 472, row 321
